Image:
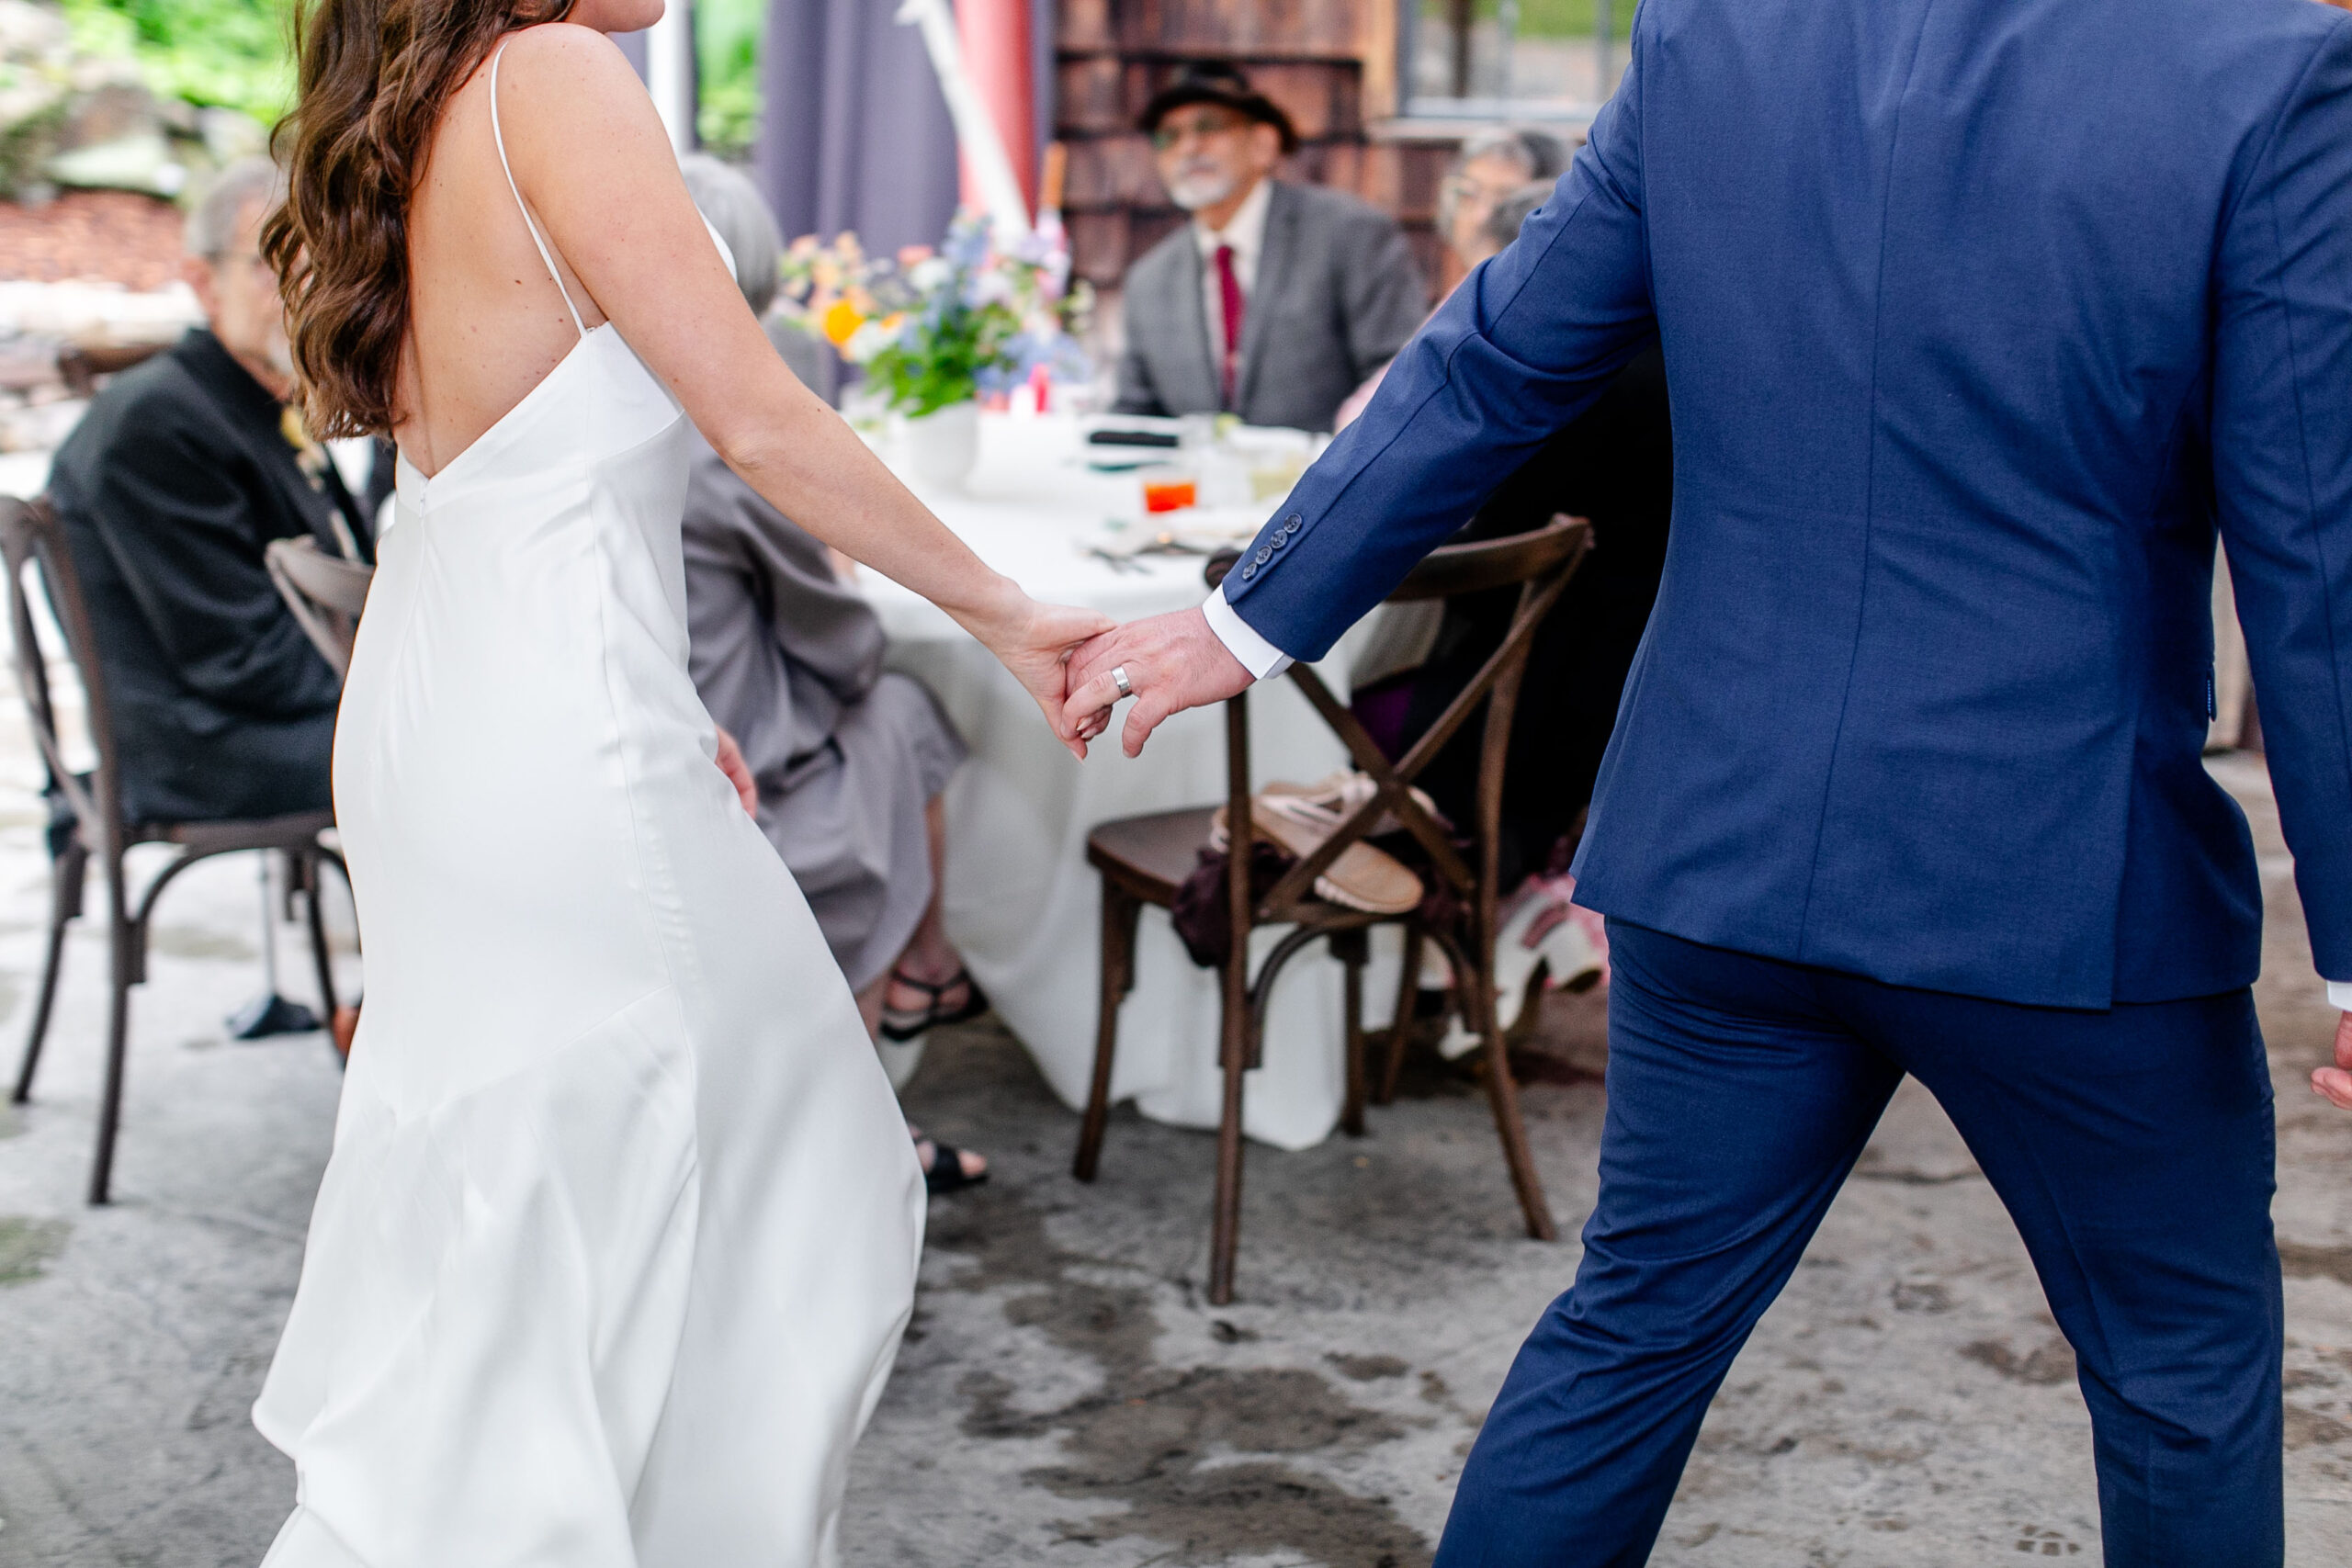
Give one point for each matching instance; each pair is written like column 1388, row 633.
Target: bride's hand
column 739, row 773
column 1034, row 641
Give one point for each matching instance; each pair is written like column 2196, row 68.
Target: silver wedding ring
column 1119, row 678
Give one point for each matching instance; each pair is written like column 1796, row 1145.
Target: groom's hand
column 2336, row 1082
column 1173, row 662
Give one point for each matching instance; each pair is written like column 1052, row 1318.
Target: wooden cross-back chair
column 1143, row 860
column 32, row 538
column 83, row 367
column 325, row 593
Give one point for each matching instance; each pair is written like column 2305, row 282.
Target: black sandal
column 901, row 1027
column 947, row 1173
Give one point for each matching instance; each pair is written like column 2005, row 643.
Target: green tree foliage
column 727, row 64
column 229, row 52
column 234, row 53
column 1539, row 18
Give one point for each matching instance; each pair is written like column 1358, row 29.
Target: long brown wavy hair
column 374, row 76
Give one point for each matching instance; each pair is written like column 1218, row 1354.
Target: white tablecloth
column 1021, row 902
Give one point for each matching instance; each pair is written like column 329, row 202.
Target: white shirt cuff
column 1260, row 657
column 2339, row 995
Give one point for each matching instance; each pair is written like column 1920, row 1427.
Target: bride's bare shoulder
column 565, row 62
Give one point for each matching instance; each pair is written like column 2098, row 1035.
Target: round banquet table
column 1020, row 903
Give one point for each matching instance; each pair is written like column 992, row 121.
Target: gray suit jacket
column 1337, row 296
column 788, row 659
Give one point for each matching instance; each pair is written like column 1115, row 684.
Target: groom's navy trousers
column 2132, row 1145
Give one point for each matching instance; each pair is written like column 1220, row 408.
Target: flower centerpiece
column 937, row 330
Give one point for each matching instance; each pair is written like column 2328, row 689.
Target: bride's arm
column 594, row 161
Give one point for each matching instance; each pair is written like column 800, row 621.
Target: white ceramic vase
column 940, row 449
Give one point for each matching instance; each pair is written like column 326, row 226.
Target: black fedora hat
column 1216, row 82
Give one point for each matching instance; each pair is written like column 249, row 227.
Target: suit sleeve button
column 1248, row 572
column 1290, row 523
column 1265, row 553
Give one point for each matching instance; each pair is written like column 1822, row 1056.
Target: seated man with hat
column 1277, row 300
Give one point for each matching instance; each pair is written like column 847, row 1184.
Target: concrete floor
column 1065, row 1396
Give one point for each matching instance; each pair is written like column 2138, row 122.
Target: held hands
column 2336, row 1082
column 1037, row 643
column 1171, row 662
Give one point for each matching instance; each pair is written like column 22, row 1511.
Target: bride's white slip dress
column 621, row 1225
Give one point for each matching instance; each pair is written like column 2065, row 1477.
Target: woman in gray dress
column 848, row 760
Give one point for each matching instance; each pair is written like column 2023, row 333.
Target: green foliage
column 1537, row 18
column 234, row 53
column 726, row 63
column 229, row 52
column 939, row 362
column 25, row 143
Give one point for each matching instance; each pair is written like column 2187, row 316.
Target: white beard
column 1192, row 190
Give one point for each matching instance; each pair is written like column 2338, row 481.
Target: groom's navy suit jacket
column 1980, row 316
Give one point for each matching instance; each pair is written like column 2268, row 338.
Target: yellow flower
column 842, row 322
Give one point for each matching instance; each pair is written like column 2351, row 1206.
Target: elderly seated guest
column 848, row 762
column 183, row 471
column 1277, row 300
column 1492, row 167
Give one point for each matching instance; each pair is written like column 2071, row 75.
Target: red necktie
column 1229, row 291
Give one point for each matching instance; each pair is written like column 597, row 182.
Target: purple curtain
column 633, row 46
column 1043, row 26
column 853, row 133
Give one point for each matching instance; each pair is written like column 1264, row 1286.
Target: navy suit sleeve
column 2282, row 459
column 1526, row 343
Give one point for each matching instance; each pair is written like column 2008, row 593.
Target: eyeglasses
column 1462, row 189
column 1213, row 122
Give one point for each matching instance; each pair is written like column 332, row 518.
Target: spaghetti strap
column 499, row 137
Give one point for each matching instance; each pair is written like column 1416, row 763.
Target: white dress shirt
column 1246, row 233
column 1260, row 657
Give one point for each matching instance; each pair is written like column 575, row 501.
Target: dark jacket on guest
column 1335, row 295
column 169, row 490
column 1615, row 466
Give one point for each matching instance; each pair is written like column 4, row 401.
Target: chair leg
column 1349, row 949
column 1502, row 1094
column 305, row 868
column 1225, row 1229
column 65, row 903
column 1120, row 911
column 123, row 934
column 1400, row 1025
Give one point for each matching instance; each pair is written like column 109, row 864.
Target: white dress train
column 621, row 1225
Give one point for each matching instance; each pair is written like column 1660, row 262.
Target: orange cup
column 1170, row 492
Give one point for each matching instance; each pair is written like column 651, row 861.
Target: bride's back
column 486, row 321
column 418, row 301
